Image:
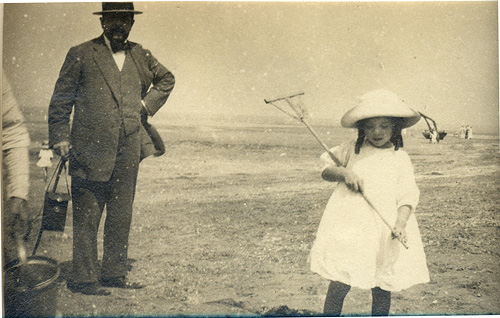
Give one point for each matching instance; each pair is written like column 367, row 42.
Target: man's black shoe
column 88, row 289
column 119, row 282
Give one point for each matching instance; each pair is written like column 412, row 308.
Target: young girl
column 45, row 161
column 353, row 246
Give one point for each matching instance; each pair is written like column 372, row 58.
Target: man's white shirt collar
column 119, row 56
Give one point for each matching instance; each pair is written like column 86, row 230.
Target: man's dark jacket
column 90, row 82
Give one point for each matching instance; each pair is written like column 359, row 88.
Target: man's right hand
column 62, row 148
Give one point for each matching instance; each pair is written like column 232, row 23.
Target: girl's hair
column 396, row 138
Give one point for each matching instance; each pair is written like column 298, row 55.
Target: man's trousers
column 89, row 199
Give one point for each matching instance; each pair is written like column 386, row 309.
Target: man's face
column 117, row 26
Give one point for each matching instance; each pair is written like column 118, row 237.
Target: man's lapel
column 136, row 58
column 107, row 66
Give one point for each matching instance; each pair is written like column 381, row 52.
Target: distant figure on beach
column 353, row 246
column 45, row 161
column 110, row 85
column 434, row 136
column 468, row 132
column 461, row 133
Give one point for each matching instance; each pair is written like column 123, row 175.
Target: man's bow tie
column 117, row 47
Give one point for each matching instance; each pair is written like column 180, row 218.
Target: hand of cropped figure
column 18, row 218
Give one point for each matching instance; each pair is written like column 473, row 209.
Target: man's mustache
column 117, row 30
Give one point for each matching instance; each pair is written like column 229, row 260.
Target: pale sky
column 440, row 57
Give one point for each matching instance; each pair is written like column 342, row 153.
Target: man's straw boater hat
column 380, row 103
column 117, row 7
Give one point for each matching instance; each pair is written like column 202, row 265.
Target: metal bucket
column 30, row 287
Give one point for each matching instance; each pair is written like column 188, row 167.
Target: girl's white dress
column 352, row 244
column 45, row 156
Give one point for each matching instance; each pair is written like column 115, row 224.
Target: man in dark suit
column 109, row 84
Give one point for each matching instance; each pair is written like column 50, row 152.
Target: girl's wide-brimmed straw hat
column 380, row 103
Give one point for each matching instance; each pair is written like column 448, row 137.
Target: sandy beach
column 229, row 213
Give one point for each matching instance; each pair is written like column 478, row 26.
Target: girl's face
column 378, row 131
